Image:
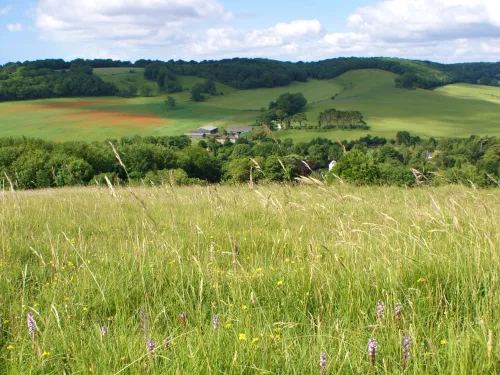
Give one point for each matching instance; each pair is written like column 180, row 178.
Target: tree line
column 406, row 160
column 22, row 82
column 46, row 79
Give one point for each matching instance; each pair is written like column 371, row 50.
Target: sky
column 294, row 30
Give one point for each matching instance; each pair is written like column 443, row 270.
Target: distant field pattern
column 453, row 110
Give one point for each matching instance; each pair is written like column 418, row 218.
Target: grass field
column 311, row 265
column 454, row 110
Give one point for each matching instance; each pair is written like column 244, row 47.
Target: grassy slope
column 458, row 110
column 312, row 264
column 122, row 77
column 454, row 110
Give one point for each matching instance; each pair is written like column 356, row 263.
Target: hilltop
column 58, row 78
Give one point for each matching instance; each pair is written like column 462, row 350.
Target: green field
column 311, row 265
column 454, row 110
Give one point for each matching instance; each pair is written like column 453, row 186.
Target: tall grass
column 290, row 272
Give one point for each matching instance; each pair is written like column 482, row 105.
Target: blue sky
column 438, row 30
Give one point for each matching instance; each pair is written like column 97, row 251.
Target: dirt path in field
column 89, row 119
column 80, row 114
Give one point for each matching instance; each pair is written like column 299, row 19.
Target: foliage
column 58, row 78
column 24, row 81
column 404, row 161
column 197, row 93
column 171, row 102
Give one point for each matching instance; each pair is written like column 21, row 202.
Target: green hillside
column 123, row 77
column 453, row 110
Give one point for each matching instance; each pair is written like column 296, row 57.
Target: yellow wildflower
column 279, row 282
column 255, row 339
column 243, row 337
column 244, row 307
column 421, row 280
column 5, row 322
column 443, row 342
column 45, row 354
column 10, row 347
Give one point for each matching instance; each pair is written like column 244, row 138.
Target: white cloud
column 133, row 20
column 428, row 19
column 282, row 41
column 298, row 28
column 6, row 9
column 14, row 27
column 440, row 30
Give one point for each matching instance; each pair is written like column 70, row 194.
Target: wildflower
column 279, row 282
column 45, row 354
column 182, row 319
column 150, row 344
column 322, row 363
column 372, row 351
column 443, row 342
column 215, row 322
column 397, row 311
column 255, row 339
column 406, row 349
column 5, row 322
column 421, row 280
column 31, row 325
column 10, row 347
column 244, row 307
column 380, row 310
column 167, row 342
column 243, row 337
column 104, row 330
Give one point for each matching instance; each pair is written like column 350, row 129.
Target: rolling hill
column 452, row 110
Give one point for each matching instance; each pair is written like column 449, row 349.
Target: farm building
column 239, row 130
column 231, row 139
column 202, row 132
column 210, row 129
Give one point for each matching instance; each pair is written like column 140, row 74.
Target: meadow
column 289, row 272
column 458, row 109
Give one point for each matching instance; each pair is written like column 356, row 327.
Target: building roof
column 200, row 131
column 209, row 128
column 239, row 129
